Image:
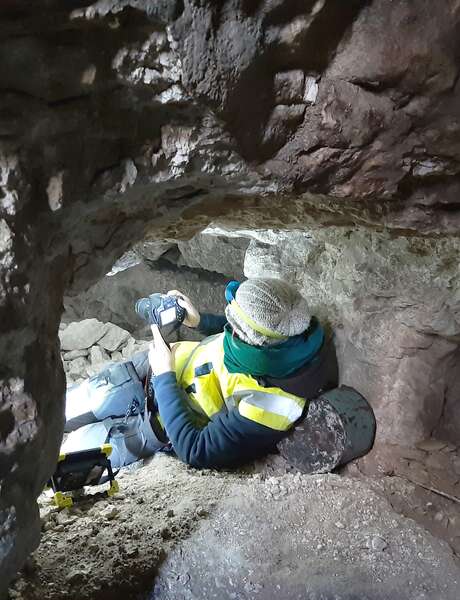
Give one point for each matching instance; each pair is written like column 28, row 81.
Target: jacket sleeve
column 210, row 324
column 229, row 439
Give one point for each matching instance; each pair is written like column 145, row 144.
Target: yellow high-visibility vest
column 210, row 388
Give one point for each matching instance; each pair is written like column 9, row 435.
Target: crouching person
column 232, row 397
column 219, row 403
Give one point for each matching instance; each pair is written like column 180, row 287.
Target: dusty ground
column 318, row 537
column 174, row 532
column 111, row 548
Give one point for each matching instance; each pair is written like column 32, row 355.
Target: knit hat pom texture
column 273, row 304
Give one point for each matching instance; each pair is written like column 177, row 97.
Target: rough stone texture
column 198, row 260
column 132, row 119
column 74, row 354
column 114, row 338
column 119, row 345
column 326, row 537
column 113, row 298
column 98, row 355
column 82, row 335
column 77, row 368
column 210, row 252
column 309, row 537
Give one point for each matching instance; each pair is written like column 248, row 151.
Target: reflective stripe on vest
column 211, row 388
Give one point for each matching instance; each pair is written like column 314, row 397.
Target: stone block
column 114, row 338
column 75, row 354
column 142, row 345
column 98, row 355
column 129, row 349
column 82, row 334
column 289, row 87
column 77, row 368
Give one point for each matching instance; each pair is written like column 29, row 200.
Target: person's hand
column 192, row 318
column 160, row 357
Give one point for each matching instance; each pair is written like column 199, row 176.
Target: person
column 232, row 397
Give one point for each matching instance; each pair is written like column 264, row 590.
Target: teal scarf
column 278, row 360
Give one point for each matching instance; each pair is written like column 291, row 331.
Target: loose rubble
column 317, row 537
column 88, row 346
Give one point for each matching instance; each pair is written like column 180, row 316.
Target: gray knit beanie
column 269, row 304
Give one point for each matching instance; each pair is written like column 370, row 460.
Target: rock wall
column 394, row 305
column 130, row 119
column 200, row 267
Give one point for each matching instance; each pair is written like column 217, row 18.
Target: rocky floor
column 112, row 548
column 317, row 537
column 177, row 533
column 421, row 482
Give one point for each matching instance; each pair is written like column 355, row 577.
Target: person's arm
column 228, row 440
column 210, row 324
column 205, row 323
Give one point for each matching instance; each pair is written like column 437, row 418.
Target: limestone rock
column 76, row 577
column 112, row 299
column 376, row 543
column 151, row 250
column 142, row 345
column 77, row 368
column 289, row 86
column 213, row 252
column 98, row 355
column 114, row 338
column 81, row 335
column 75, row 354
column 129, row 349
column 128, row 260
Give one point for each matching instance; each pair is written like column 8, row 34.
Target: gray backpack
column 111, row 408
column 111, row 393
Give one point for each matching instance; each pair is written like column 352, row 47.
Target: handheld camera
column 161, row 310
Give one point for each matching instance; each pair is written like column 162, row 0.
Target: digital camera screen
column 168, row 316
